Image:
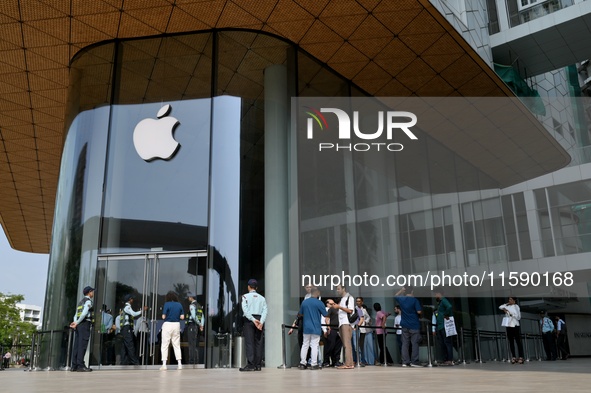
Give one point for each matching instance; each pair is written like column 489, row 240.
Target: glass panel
column 148, row 278
column 140, row 211
column 522, row 226
column 117, row 278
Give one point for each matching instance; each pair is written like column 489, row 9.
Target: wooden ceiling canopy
column 388, row 48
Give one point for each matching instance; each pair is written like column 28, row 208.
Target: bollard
column 461, row 339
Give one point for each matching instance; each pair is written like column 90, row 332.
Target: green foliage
column 11, row 326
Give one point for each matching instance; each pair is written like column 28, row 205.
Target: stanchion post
column 49, row 353
column 69, row 350
column 461, row 339
column 384, row 348
column 538, row 349
column 429, row 364
column 358, row 349
column 283, row 348
column 478, row 346
column 526, row 348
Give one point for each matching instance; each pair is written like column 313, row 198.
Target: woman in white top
column 511, row 322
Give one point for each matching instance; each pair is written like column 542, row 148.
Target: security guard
column 194, row 326
column 82, row 325
column 254, row 307
column 128, row 315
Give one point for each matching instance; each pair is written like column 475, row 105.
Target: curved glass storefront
column 182, row 171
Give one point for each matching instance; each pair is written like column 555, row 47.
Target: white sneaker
column 180, row 367
column 163, row 368
column 415, row 365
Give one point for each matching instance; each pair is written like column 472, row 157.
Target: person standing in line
column 357, row 331
column 312, row 310
column 194, row 327
column 127, row 325
column 82, row 325
column 397, row 320
column 345, row 307
column 333, row 346
column 443, row 312
column 172, row 313
column 381, row 317
column 410, row 309
column 547, row 329
column 513, row 312
column 561, row 337
column 254, row 308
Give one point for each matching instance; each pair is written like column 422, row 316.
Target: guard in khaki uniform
column 82, row 325
column 254, row 307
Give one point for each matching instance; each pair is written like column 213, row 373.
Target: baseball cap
column 128, row 297
column 253, row 283
column 86, row 290
column 191, row 294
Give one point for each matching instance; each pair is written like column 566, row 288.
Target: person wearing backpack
column 346, row 309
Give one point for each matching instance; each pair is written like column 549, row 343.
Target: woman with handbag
column 511, row 323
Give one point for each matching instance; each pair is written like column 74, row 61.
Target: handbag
column 450, row 327
column 506, row 321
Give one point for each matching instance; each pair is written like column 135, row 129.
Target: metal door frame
column 151, row 267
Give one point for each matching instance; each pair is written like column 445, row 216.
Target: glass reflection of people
column 108, row 333
column 513, row 312
column 127, row 323
column 172, row 313
column 194, row 326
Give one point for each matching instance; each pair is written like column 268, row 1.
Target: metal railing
column 48, row 339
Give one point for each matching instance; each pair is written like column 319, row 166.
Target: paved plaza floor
column 573, row 375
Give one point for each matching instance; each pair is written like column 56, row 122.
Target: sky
column 22, row 273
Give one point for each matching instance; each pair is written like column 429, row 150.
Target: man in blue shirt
column 410, row 309
column 312, row 310
column 82, row 324
column 547, row 328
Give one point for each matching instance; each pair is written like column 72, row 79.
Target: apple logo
column 153, row 138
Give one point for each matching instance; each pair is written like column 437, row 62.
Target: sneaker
column 163, row 368
column 404, row 365
column 180, row 367
column 302, row 366
column 314, row 368
column 415, row 365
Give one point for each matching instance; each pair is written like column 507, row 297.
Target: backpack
column 353, row 316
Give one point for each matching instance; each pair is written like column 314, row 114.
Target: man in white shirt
column 345, row 307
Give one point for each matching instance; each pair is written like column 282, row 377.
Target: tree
column 12, row 329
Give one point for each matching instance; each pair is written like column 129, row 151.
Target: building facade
column 186, row 166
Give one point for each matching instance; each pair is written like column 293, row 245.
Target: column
column 276, row 209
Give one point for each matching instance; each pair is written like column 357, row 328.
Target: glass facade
column 194, row 221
